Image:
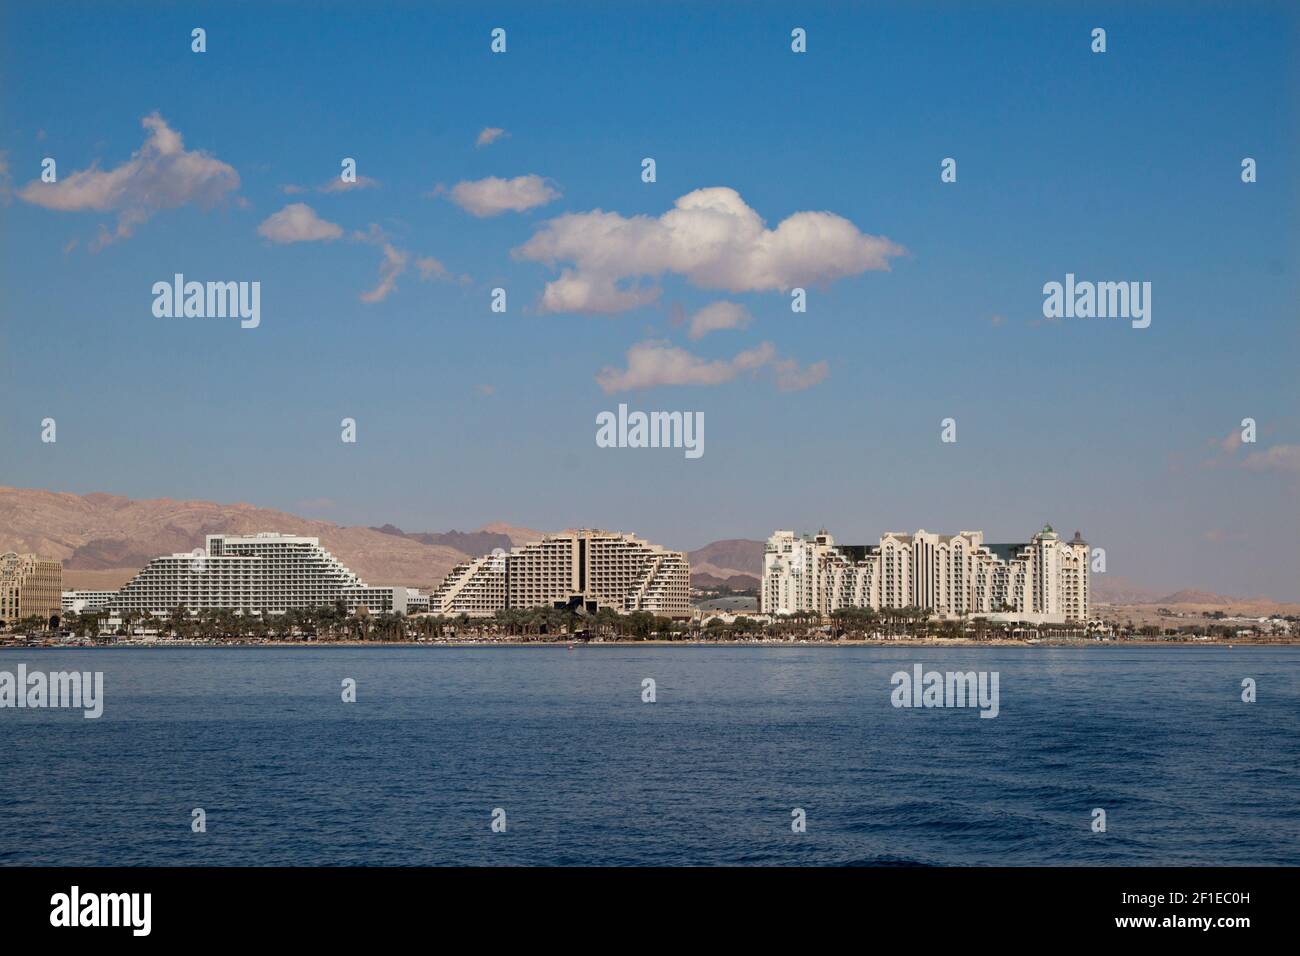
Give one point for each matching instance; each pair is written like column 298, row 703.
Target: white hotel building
column 582, row 568
column 1044, row 580
column 264, row 573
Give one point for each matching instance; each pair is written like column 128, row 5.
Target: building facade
column 30, row 586
column 86, row 602
column 264, row 573
column 1045, row 579
column 582, row 568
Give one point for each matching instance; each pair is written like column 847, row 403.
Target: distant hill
column 1112, row 589
column 730, row 556
column 737, row 582
column 104, row 539
column 517, row 536
column 473, row 543
column 1193, row 596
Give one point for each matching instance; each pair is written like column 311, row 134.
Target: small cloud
column 485, row 389
column 373, row 235
column 69, row 246
column 493, row 196
column 298, row 222
column 654, row 363
column 292, row 190
column 1232, row 442
column 1284, row 458
column 393, row 265
column 431, row 269
column 791, row 378
column 489, row 135
column 161, row 175
column 718, row 316
column 1221, row 537
column 997, row 321
column 6, row 181
column 338, row 185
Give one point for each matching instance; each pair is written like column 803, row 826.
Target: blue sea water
column 709, row 773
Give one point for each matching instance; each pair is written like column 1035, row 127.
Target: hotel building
column 30, row 586
column 1044, row 580
column 265, row 573
column 87, row 602
column 582, row 568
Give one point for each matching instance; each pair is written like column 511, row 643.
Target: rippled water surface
column 708, row 774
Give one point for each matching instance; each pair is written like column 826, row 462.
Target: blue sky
column 1116, row 166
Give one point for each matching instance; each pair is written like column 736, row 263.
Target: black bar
column 948, row 907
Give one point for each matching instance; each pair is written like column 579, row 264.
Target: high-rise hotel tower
column 30, row 586
column 584, row 568
column 1045, row 580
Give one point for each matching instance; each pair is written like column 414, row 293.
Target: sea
column 627, row 755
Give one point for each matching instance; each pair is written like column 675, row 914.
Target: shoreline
column 574, row 645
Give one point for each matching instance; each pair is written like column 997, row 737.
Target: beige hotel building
column 29, row 586
column 580, row 568
column 1044, row 580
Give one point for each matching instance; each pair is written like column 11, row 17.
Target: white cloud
column 298, row 222
column 711, row 237
column 161, row 175
column 393, row 265
column 489, row 135
column 337, row 185
column 430, row 269
column 493, row 196
column 791, row 378
column 718, row 316
column 655, row 362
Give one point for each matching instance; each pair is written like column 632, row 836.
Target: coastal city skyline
column 25, row 534
column 1171, row 439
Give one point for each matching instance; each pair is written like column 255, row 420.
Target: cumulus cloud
column 161, row 175
column 711, row 237
column 719, row 315
column 298, row 222
column 655, row 362
column 493, row 196
column 489, row 135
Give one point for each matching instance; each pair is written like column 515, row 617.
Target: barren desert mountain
column 737, row 582
column 1113, row 589
column 517, row 536
column 103, row 539
column 729, row 557
column 466, row 542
